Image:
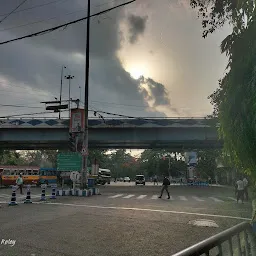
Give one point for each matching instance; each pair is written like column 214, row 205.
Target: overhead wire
column 17, row 106
column 42, row 32
column 56, row 17
column 52, row 2
column 36, row 6
column 12, row 11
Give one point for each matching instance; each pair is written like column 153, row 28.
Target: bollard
column 53, row 196
column 43, row 197
column 28, row 197
column 13, row 198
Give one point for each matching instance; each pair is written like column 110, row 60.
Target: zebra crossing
column 174, row 198
column 19, row 197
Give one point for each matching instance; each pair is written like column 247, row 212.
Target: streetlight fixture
column 69, row 77
column 61, row 82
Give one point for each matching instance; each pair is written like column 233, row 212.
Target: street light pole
column 86, row 97
column 69, row 77
column 80, row 93
column 61, row 81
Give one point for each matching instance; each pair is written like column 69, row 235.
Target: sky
column 147, row 59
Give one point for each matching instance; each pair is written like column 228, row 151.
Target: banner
column 76, row 120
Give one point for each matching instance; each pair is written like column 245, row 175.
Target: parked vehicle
column 127, row 179
column 140, row 179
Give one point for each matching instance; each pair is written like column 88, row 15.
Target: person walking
column 245, row 181
column 155, row 180
column 166, row 183
column 19, row 183
column 240, row 190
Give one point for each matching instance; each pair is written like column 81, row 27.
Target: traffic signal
column 72, row 142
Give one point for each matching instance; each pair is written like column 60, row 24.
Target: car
column 127, row 179
column 140, row 179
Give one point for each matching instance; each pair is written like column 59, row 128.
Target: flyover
column 171, row 133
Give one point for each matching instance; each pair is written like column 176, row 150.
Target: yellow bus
column 9, row 174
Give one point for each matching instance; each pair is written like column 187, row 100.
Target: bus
column 9, row 174
column 47, row 176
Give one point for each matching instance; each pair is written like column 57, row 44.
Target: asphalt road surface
column 123, row 220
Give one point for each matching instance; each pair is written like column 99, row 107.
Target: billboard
column 191, row 158
column 76, row 120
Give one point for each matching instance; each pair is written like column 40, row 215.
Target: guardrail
column 110, row 118
column 240, row 241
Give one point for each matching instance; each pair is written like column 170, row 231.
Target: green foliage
column 216, row 13
column 235, row 100
column 207, row 162
column 8, row 157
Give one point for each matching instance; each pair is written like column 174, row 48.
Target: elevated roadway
column 172, row 133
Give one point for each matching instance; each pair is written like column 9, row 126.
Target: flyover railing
column 110, row 118
column 236, row 241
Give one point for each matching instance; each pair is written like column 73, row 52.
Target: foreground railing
column 238, row 240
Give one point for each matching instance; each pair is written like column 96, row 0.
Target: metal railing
column 109, row 118
column 238, row 240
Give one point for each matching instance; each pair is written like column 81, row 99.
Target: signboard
column 77, row 120
column 84, row 152
column 191, row 158
column 75, row 176
column 71, row 161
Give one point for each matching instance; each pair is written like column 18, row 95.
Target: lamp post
column 169, row 163
column 80, row 89
column 69, row 77
column 61, row 82
column 86, row 97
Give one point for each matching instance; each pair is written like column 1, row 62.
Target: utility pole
column 86, row 97
column 61, row 81
column 80, row 89
column 69, row 77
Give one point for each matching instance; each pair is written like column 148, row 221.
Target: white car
column 140, row 179
column 127, row 179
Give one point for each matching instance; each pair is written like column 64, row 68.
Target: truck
column 103, row 177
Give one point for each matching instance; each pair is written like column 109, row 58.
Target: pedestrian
column 155, row 180
column 19, row 183
column 166, row 183
column 245, row 181
column 240, row 190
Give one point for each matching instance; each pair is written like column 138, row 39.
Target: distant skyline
column 146, row 59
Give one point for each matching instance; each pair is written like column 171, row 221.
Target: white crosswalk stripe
column 115, row 196
column 232, row 198
column 129, row 196
column 183, row 198
column 171, row 198
column 197, row 198
column 154, row 197
column 141, row 196
column 216, row 199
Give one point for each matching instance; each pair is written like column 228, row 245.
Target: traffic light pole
column 86, row 97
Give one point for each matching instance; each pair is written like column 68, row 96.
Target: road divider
column 78, row 192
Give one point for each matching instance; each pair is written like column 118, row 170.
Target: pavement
column 124, row 220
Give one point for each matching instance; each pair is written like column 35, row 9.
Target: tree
column 207, row 165
column 8, row 157
column 234, row 100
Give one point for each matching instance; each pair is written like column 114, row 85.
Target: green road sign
column 71, row 161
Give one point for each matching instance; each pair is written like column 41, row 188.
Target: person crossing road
column 166, row 183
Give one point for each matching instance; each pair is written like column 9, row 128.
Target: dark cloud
column 155, row 91
column 137, row 26
column 36, row 63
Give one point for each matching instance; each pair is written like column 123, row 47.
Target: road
column 123, row 220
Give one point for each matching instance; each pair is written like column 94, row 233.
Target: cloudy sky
column 146, row 59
